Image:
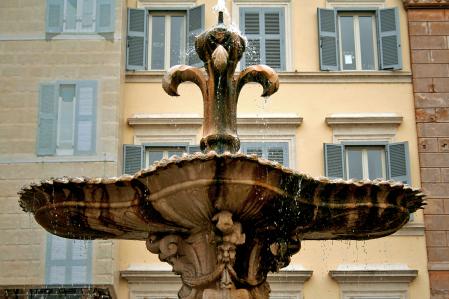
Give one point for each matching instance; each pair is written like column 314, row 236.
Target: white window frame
column 167, row 15
column 365, row 169
column 373, row 281
column 162, row 7
column 79, row 17
column 289, row 38
column 357, row 42
column 186, row 129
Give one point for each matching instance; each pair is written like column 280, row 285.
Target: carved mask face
column 220, row 45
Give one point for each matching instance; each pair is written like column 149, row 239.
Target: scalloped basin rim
column 265, row 197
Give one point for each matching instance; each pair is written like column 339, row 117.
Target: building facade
column 429, row 30
column 81, row 96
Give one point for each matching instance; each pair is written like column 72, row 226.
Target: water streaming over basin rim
column 182, row 194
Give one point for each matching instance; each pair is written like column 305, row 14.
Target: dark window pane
column 347, row 42
column 366, row 42
column 355, row 165
column 175, row 152
column 155, row 156
column 375, row 163
column 158, row 43
column 177, row 29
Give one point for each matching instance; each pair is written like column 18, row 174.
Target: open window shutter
column 132, row 158
column 80, row 254
column 85, row 120
column 250, row 25
column 252, row 148
column 398, row 162
column 55, row 16
column 195, row 25
column 56, row 260
column 328, row 42
column 87, row 18
column 105, row 16
column 389, row 39
column 193, row 149
column 274, row 41
column 136, row 58
column 48, row 120
column 278, row 153
column 334, row 160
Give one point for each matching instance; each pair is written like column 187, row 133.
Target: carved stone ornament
column 408, row 4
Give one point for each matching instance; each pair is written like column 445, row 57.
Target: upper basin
column 182, row 194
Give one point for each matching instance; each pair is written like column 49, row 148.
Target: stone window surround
column 355, row 3
column 374, row 127
column 373, row 280
column 186, row 128
column 156, row 280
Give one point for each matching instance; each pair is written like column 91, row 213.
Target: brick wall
column 429, row 45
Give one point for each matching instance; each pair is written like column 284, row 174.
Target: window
column 160, row 39
column 67, row 118
column 352, row 161
column 136, row 157
column 274, row 151
column 374, row 281
column 68, row 261
column 355, row 40
column 80, row 16
column 265, row 30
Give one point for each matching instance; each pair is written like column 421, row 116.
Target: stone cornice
column 410, row 4
column 371, row 276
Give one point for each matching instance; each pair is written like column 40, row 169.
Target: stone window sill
column 399, row 77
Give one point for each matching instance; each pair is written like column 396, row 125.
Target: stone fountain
column 227, row 219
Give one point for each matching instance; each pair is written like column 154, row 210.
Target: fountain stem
column 220, row 18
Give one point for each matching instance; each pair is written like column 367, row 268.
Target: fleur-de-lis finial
column 221, row 50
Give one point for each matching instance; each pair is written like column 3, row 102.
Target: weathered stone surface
column 430, row 175
column 436, row 238
column 428, row 145
column 433, row 129
column 425, row 115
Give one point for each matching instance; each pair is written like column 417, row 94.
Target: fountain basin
column 182, row 195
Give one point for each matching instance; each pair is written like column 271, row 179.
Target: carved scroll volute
column 183, row 73
column 262, row 74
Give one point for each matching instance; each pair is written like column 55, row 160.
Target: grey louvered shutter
column 48, row 120
column 80, row 262
column 87, row 18
column 328, row 41
column 195, row 25
column 334, row 160
column 274, row 151
column 105, row 16
column 389, row 39
column 85, row 119
column 68, row 261
column 55, row 16
column 132, row 158
column 274, row 38
column 136, row 53
column 250, row 24
column 193, row 149
column 278, row 152
column 398, row 162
